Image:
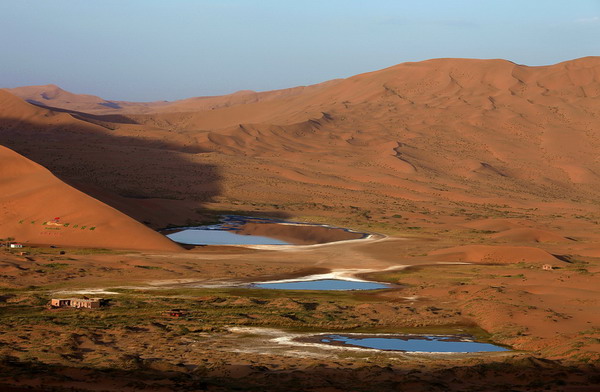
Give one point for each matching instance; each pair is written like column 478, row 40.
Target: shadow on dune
column 154, row 180
column 102, row 120
column 525, row 374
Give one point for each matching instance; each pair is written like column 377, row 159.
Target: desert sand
column 473, row 173
column 38, row 208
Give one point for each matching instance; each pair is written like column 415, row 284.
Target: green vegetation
column 483, row 231
column 215, row 309
column 148, row 267
column 38, row 251
column 55, row 265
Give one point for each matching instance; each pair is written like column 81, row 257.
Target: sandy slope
column 495, row 254
column 31, row 198
column 529, row 235
column 451, row 130
column 53, row 96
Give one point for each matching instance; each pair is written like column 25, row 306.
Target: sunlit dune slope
column 55, row 97
column 487, row 254
column 529, row 235
column 476, row 130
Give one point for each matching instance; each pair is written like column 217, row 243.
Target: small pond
column 412, row 343
column 322, row 284
column 217, row 235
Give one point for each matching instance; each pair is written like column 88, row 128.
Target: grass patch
column 98, row 251
column 56, row 265
column 38, row 251
column 207, row 308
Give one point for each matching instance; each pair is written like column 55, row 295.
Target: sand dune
column 55, row 97
column 492, row 125
column 52, row 95
column 497, row 225
column 529, row 235
column 38, row 208
column 593, row 251
column 15, row 112
column 487, row 254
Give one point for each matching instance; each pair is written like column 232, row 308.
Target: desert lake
column 241, row 230
column 216, row 235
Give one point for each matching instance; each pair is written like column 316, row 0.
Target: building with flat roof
column 89, row 303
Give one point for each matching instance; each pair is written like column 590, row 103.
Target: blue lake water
column 322, row 284
column 214, row 235
column 226, row 232
column 437, row 344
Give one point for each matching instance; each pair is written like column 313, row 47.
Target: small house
column 60, row 303
column 88, row 303
column 547, row 267
column 176, row 313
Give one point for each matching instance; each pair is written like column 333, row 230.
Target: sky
column 145, row 50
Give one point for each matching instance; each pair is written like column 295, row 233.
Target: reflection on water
column 216, row 235
column 322, row 284
column 412, row 343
